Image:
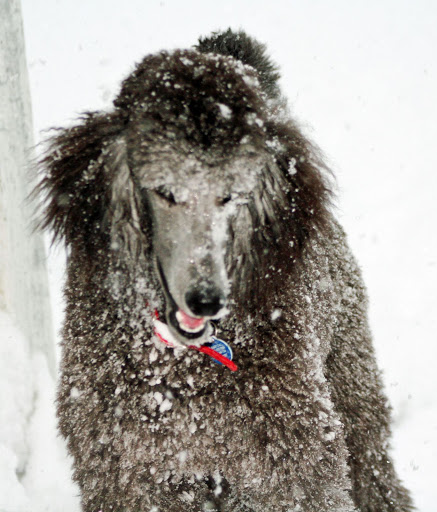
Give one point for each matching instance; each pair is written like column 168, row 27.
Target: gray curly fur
column 303, row 425
column 249, row 51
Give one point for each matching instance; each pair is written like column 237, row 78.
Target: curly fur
column 303, row 425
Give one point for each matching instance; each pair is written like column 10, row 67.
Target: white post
column 25, row 316
column 23, row 275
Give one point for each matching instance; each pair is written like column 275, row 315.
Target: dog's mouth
column 189, row 327
column 183, row 325
column 189, row 323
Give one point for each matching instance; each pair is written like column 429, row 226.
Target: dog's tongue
column 189, row 321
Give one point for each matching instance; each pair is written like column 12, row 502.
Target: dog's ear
column 124, row 218
column 86, row 186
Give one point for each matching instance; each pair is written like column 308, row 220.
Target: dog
column 216, row 349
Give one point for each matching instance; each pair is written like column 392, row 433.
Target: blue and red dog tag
column 220, row 347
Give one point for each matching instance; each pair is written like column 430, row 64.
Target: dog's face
column 191, row 200
column 195, row 166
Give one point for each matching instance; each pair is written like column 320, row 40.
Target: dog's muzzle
column 203, row 302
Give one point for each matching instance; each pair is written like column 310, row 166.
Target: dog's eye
column 222, row 201
column 165, row 194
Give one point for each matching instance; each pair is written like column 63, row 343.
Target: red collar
column 205, row 349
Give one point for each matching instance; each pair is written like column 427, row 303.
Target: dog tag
column 221, row 347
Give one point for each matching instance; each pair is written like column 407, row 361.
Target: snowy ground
column 362, row 78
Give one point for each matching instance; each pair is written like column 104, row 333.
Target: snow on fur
column 303, row 424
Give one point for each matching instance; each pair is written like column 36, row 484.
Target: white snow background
column 362, row 78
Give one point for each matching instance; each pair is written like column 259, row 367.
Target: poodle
column 216, row 348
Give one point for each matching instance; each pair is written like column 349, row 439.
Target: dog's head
column 194, row 171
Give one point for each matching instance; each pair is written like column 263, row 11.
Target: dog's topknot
column 249, row 51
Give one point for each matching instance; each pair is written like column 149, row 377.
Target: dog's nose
column 206, row 301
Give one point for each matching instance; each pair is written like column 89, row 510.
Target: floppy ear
column 86, row 184
column 124, row 218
